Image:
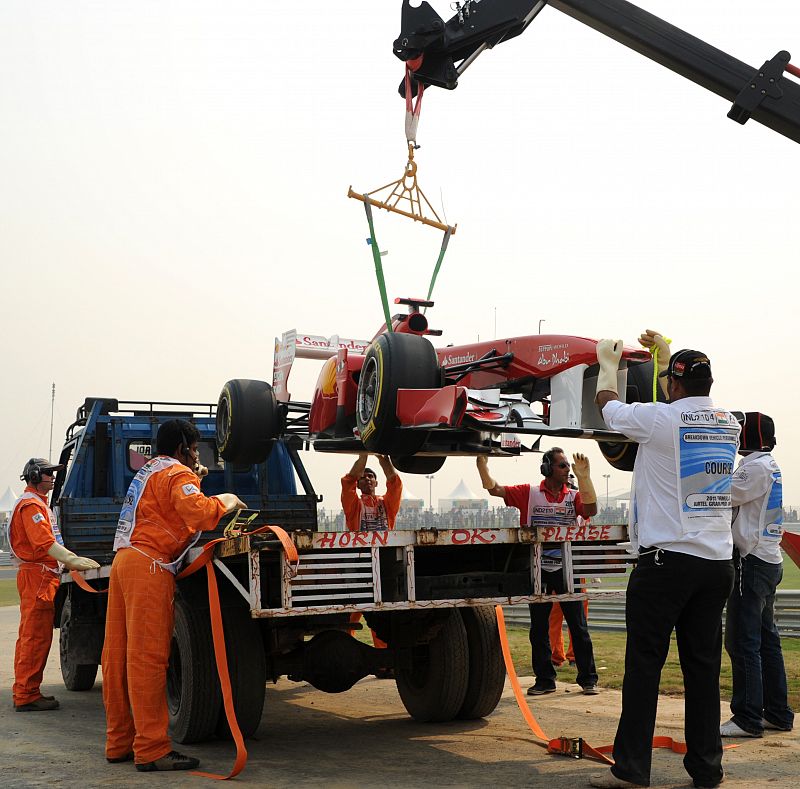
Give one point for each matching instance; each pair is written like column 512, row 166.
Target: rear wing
column 294, row 345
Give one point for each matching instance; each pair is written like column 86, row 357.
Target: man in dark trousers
column 553, row 503
column 681, row 527
column 751, row 637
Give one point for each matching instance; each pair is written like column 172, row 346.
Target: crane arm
column 447, row 49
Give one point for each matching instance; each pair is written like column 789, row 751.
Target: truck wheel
column 249, row 420
column 247, row 668
column 434, row 687
column 621, row 455
column 393, row 361
column 76, row 676
column 487, row 672
column 193, row 695
column 417, row 464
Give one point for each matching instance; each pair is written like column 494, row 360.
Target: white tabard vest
column 543, row 513
column 15, row 560
column 127, row 516
column 758, row 524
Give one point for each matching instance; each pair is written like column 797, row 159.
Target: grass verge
column 8, row 592
column 609, row 652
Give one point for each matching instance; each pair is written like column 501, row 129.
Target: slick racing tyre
column 417, row 464
column 249, row 419
column 393, row 361
column 621, row 455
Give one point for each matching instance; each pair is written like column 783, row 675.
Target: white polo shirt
column 681, row 498
column 757, row 491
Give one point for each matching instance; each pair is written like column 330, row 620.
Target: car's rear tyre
column 417, row 464
column 393, row 361
column 487, row 672
column 435, row 686
column 77, row 676
column 247, row 668
column 193, row 694
column 249, row 419
column 622, row 455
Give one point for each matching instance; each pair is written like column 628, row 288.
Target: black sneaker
column 128, row 757
column 590, row 690
column 171, row 761
column 540, row 690
column 40, row 705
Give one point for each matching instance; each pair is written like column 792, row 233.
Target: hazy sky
column 173, row 180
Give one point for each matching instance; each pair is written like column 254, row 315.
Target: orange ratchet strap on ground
column 576, row 747
column 218, row 634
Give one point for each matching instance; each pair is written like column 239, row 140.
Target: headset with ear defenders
column 547, row 463
column 34, row 475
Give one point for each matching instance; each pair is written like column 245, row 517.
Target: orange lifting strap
column 576, row 747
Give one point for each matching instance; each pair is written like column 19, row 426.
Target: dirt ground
column 360, row 738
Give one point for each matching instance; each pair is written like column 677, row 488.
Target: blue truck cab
column 104, row 448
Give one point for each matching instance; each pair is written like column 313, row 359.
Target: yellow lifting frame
column 405, row 188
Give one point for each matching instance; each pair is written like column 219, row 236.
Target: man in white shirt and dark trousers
column 681, row 528
column 751, row 638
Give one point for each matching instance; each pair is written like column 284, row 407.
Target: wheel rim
column 223, row 421
column 368, row 386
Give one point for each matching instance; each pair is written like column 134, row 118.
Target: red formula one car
column 398, row 395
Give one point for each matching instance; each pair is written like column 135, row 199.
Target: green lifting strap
column 445, row 240
column 376, row 256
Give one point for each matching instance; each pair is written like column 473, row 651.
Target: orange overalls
column 31, row 535
column 362, row 513
column 139, row 619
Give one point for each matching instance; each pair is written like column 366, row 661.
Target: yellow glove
column 231, row 502
column 609, row 352
column 70, row 560
column 658, row 346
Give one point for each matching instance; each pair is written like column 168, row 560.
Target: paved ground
column 360, row 738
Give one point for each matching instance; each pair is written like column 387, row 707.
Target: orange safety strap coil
column 218, row 634
column 576, row 747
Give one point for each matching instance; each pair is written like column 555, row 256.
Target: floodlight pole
column 429, row 477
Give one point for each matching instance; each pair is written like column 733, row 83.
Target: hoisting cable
column 445, row 240
column 412, row 110
column 376, row 257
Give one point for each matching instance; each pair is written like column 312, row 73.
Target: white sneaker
column 731, row 729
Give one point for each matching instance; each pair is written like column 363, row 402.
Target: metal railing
column 609, row 615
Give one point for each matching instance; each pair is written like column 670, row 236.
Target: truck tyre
column 247, row 668
column 435, row 686
column 487, row 672
column 76, row 676
column 621, row 455
column 193, row 694
column 393, row 361
column 417, row 464
column 249, row 420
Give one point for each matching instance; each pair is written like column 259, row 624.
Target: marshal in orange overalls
column 139, row 619
column 31, row 536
